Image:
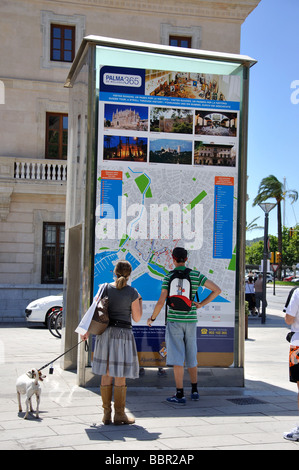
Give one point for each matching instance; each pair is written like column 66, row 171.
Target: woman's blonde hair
column 122, row 271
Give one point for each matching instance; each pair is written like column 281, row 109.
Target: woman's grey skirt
column 116, row 351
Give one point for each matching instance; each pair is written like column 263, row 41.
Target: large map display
column 167, row 176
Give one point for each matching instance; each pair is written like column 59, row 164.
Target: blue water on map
column 103, row 268
column 202, row 293
column 148, row 287
column 158, row 269
column 134, row 262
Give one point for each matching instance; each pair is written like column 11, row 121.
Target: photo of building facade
column 215, row 155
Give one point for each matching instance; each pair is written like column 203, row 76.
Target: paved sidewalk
column 250, row 418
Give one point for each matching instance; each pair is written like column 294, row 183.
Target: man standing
column 181, row 326
column 258, row 289
column 292, row 318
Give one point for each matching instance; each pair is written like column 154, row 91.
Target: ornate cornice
column 237, row 10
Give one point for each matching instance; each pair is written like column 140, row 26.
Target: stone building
column 127, row 119
column 39, row 39
column 215, row 155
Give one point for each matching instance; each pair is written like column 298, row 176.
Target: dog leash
column 51, row 362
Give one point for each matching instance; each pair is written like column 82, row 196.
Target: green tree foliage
column 290, row 247
column 290, row 244
column 254, row 253
column 270, row 187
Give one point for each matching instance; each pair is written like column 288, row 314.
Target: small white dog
column 28, row 384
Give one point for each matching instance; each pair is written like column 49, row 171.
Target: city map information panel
column 167, row 176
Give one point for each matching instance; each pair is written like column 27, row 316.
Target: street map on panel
column 147, row 230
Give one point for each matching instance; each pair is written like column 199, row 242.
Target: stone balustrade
column 49, row 170
column 32, row 169
column 16, row 174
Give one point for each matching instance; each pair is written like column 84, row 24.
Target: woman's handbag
column 96, row 319
column 100, row 319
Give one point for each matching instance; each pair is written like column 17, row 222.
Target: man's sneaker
column 195, row 396
column 178, row 401
column 292, row 435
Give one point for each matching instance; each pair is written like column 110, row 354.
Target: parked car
column 38, row 310
column 288, row 278
column 295, row 279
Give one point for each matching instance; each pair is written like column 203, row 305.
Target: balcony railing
column 48, row 170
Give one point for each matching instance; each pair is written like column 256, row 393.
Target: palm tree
column 253, row 225
column 271, row 188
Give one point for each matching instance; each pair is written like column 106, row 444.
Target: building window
column 53, row 253
column 181, row 36
column 76, row 23
column 56, row 136
column 180, row 41
column 62, row 43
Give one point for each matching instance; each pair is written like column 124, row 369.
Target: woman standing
column 250, row 294
column 115, row 354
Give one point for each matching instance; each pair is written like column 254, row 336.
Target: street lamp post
column 266, row 207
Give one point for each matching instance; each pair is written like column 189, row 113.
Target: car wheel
column 49, row 313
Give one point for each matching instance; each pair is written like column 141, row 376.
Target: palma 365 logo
column 121, row 79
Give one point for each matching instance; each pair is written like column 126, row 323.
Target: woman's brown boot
column 120, row 416
column 106, row 393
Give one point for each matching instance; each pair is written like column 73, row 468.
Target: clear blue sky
column 270, row 35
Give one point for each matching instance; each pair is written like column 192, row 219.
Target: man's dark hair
column 180, row 254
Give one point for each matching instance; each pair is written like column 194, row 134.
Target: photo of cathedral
column 122, row 148
column 126, row 117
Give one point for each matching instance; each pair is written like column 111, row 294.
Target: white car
column 38, row 310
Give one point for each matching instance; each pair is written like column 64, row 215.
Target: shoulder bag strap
column 102, row 291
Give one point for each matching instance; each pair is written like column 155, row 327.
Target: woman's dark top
column 120, row 301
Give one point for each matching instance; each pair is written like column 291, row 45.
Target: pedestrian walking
column 258, row 290
column 250, row 294
column 181, row 326
column 115, row 354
